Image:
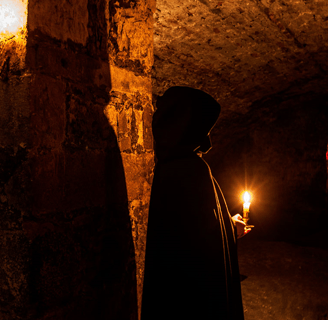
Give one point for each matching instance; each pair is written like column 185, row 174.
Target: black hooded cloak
column 191, row 267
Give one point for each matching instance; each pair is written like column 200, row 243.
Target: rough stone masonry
column 76, row 160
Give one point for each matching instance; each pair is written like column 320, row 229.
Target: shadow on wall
column 278, row 149
column 82, row 255
column 82, row 263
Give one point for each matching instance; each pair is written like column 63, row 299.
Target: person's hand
column 240, row 225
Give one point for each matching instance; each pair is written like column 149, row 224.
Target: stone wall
column 76, row 161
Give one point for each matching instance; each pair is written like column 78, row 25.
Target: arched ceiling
column 241, row 51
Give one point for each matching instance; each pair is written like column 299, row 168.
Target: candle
column 247, row 203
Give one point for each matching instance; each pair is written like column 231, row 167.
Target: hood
column 183, row 120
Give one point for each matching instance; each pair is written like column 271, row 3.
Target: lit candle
column 247, row 203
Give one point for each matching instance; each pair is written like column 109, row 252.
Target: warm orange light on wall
column 13, row 16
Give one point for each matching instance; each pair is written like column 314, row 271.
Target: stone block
column 15, row 113
column 84, row 180
column 123, row 80
column 68, row 180
column 86, row 123
column 14, row 281
column 147, row 127
column 64, row 20
column 45, row 55
column 47, row 111
column 130, row 35
column 48, row 174
column 138, row 173
column 124, row 130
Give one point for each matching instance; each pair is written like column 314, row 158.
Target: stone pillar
column 76, row 160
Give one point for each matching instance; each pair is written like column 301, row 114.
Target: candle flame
column 12, row 17
column 246, row 197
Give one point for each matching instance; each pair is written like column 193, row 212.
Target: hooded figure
column 191, row 267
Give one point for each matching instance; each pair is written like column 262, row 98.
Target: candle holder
column 247, row 226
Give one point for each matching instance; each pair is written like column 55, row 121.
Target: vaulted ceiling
column 241, row 51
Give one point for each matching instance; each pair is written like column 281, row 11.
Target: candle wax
column 246, row 209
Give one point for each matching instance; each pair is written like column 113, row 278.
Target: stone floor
column 284, row 281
